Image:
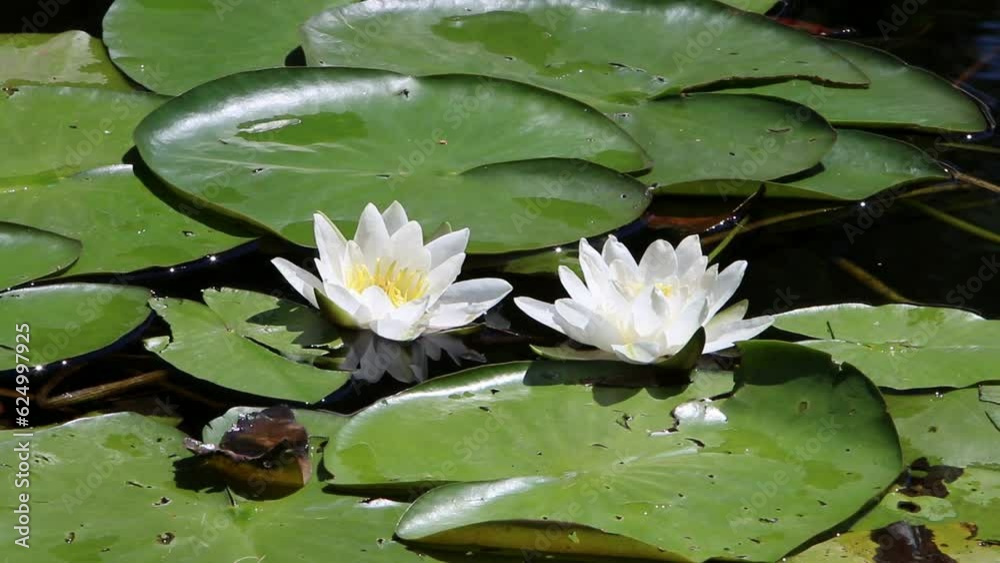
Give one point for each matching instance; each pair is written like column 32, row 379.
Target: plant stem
column 960, row 224
column 974, row 181
column 729, row 238
column 970, row 147
column 98, row 391
column 868, row 279
column 768, row 222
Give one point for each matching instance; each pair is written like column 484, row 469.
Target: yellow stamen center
column 402, row 285
column 665, row 288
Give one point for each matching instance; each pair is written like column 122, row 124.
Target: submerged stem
column 96, row 392
column 729, row 238
column 960, row 224
column 869, row 279
column 974, row 181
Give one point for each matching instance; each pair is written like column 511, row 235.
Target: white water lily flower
column 386, row 280
column 643, row 312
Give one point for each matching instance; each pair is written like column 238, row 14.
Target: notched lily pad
column 264, row 455
column 27, row 253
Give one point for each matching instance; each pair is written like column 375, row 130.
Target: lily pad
column 903, row 346
column 860, row 165
column 27, row 253
column 601, row 469
column 574, row 46
column 126, row 223
column 294, row 330
column 68, row 320
column 206, row 346
column 756, row 6
column 275, row 146
column 949, row 542
column 952, row 428
column 709, row 136
column 72, row 58
column 151, row 39
column 899, row 96
column 969, row 496
column 57, row 132
column 115, row 493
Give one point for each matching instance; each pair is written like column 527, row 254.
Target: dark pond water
column 792, row 264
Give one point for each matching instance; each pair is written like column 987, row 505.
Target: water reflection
column 370, row 357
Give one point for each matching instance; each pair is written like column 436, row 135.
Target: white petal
column 726, row 285
column 688, row 252
column 637, row 353
column 332, row 246
column 443, row 276
column 446, row 246
column 301, row 280
column 405, row 323
column 372, row 237
column 349, row 310
column 377, row 303
column 658, row 262
column 723, row 337
column 585, row 326
column 684, row 324
column 408, row 251
column 728, row 315
column 394, row 217
column 575, row 288
column 464, row 301
column 645, row 319
column 595, row 271
column 614, row 250
column 538, row 310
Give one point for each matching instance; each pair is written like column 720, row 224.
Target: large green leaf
column 750, row 477
column 578, row 47
column 944, row 543
column 27, row 253
column 903, row 346
column 113, row 493
column 57, row 132
column 206, row 346
column 860, row 165
column 953, row 496
column 900, row 96
column 72, row 58
column 710, row 136
column 151, row 40
column 274, row 146
column 292, row 329
column 757, row 6
column 951, row 428
column 126, row 223
column 68, row 320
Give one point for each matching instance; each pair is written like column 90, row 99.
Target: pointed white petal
column 688, row 252
column 645, row 319
column 446, row 246
column 407, row 248
column 302, row 281
column 637, row 353
column 574, row 287
column 377, row 303
column 444, row 275
column 585, row 326
column 405, row 323
column 538, row 310
column 372, row 237
column 614, row 251
column 687, row 322
column 394, row 217
column 331, row 245
column 723, row 337
column 726, row 285
column 595, row 271
column 658, row 262
column 464, row 301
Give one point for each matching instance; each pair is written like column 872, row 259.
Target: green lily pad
column 949, row 542
column 68, row 320
column 860, row 165
column 27, row 253
column 756, row 6
column 112, row 495
column 753, row 476
column 902, row 346
column 952, row 428
column 574, row 46
column 899, row 96
column 57, row 132
column 151, row 39
column 709, row 136
column 970, row 496
column 294, row 330
column 274, row 146
column 126, row 223
column 72, row 58
column 206, row 346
